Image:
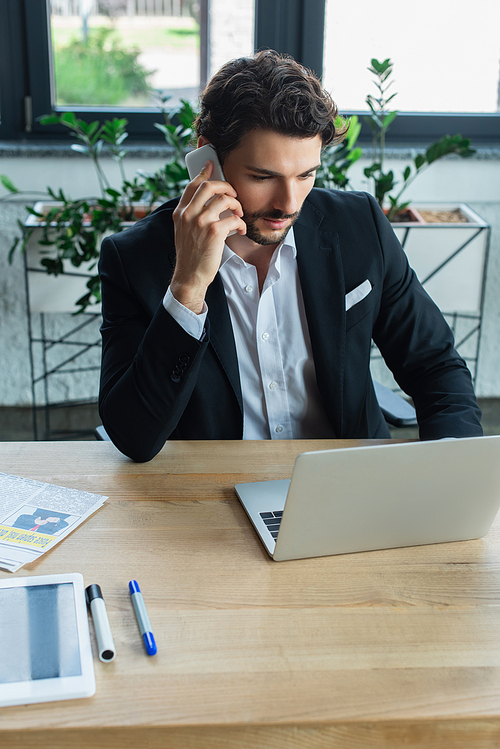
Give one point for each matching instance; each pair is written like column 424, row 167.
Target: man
column 42, row 521
column 244, row 327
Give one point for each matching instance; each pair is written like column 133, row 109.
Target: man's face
column 44, row 521
column 272, row 175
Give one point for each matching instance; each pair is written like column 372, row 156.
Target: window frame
column 295, row 27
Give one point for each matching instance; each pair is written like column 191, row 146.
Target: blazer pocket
column 357, row 295
column 360, row 310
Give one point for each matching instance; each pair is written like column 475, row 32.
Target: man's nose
column 285, row 199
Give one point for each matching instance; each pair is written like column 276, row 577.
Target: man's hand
column 200, row 236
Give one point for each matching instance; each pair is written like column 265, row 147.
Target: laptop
column 378, row 497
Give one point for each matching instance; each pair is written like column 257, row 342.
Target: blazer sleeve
column 149, row 363
column 418, row 346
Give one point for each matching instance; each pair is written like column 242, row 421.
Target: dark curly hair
column 269, row 91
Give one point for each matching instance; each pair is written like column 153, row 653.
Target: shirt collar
column 289, row 241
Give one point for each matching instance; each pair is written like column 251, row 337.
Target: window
column 119, row 53
column 125, row 53
column 105, row 58
column 446, row 62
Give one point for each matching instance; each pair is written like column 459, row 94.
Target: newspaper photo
column 35, row 516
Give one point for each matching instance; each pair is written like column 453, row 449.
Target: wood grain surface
column 390, row 648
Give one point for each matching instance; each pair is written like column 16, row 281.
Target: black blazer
column 159, row 383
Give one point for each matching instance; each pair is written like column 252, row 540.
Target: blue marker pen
column 142, row 617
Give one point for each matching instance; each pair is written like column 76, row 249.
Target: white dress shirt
column 278, row 380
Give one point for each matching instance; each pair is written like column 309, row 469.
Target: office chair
column 101, row 434
column 397, row 411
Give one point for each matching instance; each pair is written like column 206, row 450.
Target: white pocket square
column 357, row 294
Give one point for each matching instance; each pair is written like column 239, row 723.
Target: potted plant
column 70, row 231
column 62, row 236
column 379, row 120
column 446, row 243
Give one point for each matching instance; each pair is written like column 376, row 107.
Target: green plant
column 189, row 37
column 99, row 70
column 337, row 160
column 171, row 179
column 379, row 120
column 73, row 229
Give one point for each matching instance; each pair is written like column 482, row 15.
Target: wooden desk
column 380, row 649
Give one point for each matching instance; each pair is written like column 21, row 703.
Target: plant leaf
column 33, row 212
column 355, row 154
column 449, row 144
column 8, row 184
column 69, row 119
column 420, row 160
column 389, row 118
column 49, row 119
column 12, row 249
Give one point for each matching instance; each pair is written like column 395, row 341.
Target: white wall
column 474, row 181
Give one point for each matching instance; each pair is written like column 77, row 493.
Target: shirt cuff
column 189, row 321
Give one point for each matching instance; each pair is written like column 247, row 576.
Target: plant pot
column 448, row 258
column 409, row 216
column 450, row 261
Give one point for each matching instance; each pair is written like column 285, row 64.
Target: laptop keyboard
column 272, row 520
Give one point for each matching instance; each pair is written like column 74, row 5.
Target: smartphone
column 196, row 160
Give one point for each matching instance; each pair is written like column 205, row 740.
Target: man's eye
column 260, row 177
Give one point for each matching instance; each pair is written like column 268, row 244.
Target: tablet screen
column 45, row 651
column 38, row 633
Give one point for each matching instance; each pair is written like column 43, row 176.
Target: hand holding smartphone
column 200, row 238
column 196, row 160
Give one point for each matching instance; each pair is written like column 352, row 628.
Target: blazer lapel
column 323, row 288
column 221, row 334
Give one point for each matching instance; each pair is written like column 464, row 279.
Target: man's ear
column 202, row 141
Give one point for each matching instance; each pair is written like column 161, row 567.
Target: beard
column 275, row 237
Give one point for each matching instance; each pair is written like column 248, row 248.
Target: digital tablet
column 45, row 652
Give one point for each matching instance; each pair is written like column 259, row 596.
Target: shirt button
column 273, row 385
column 248, row 289
column 265, row 336
column 279, row 428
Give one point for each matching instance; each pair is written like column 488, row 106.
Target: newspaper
column 35, row 516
